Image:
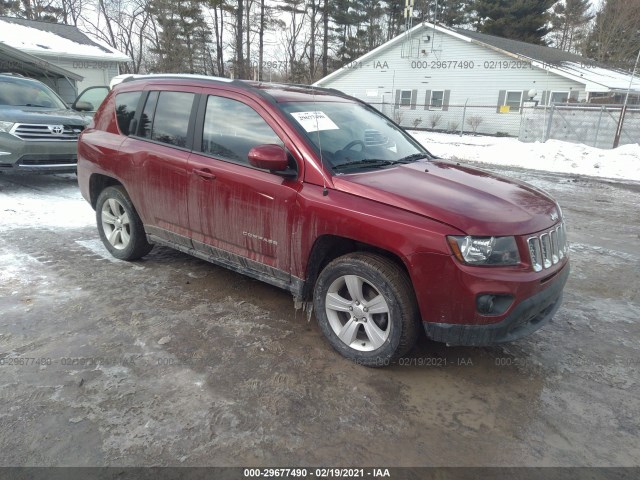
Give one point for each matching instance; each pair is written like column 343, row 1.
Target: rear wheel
column 366, row 308
column 119, row 225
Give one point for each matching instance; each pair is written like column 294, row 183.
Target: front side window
column 513, row 101
column 437, row 98
column 126, row 105
column 91, row 98
column 350, row 136
column 232, row 128
column 171, row 120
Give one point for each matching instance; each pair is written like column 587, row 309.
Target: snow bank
column 623, row 163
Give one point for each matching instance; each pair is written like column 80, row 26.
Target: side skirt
column 238, row 264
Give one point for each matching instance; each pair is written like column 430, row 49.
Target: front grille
column 52, row 133
column 548, row 248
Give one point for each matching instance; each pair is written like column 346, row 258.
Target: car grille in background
column 54, row 133
column 548, row 248
column 48, row 160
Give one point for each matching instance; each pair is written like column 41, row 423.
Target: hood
column 45, row 116
column 474, row 201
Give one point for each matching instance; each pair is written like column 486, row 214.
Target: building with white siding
column 61, row 56
column 447, row 78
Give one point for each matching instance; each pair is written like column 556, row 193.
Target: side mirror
column 83, row 106
column 269, row 157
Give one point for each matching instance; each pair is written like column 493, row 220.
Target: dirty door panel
column 244, row 211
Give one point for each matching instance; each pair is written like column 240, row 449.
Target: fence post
column 464, row 114
column 595, row 143
column 548, row 132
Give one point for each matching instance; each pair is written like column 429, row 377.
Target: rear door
column 159, row 152
column 239, row 213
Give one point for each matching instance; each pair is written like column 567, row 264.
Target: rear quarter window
column 126, row 104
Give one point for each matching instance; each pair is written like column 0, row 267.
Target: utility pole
column 616, row 141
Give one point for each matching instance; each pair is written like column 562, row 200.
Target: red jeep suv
column 321, row 195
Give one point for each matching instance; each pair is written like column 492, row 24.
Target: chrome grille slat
column 548, row 248
column 42, row 132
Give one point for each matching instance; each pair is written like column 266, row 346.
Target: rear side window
column 171, row 119
column 126, row 104
column 232, row 128
column 146, row 119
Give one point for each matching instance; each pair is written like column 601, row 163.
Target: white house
column 426, row 76
column 59, row 55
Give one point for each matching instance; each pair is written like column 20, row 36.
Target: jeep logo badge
column 56, row 129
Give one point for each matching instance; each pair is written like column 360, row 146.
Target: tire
column 119, row 225
column 366, row 307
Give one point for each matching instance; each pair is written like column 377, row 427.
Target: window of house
column 126, row 104
column 171, row 120
column 513, row 100
column 437, row 98
column 232, row 128
column 405, row 98
column 558, row 97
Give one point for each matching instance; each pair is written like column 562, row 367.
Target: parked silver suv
column 38, row 131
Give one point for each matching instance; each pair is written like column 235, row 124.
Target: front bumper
column 19, row 156
column 527, row 317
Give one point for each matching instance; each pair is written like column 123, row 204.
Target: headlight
column 485, row 250
column 6, row 126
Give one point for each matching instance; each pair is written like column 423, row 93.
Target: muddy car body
column 317, row 193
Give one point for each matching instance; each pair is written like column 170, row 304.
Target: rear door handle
column 205, row 173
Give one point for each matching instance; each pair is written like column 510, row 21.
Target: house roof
column 14, row 60
column 53, row 39
column 595, row 76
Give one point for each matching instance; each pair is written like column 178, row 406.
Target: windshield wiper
column 365, row 163
column 413, row 157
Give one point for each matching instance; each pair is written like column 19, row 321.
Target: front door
column 237, row 212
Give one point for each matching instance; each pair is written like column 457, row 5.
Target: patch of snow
column 43, row 201
column 42, row 43
column 623, row 163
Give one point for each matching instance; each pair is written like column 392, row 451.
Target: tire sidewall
column 381, row 356
column 117, row 194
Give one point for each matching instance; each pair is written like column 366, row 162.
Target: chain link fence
column 593, row 125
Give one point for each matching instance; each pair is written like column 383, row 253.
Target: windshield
column 352, row 137
column 21, row 93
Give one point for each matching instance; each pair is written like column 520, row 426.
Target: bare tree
column 614, row 38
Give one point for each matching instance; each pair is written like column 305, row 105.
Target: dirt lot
column 173, row 361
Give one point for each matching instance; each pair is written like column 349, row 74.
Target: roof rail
column 185, row 76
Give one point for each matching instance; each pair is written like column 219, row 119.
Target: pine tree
column 524, row 20
column 569, row 23
column 184, row 36
column 451, row 13
column 615, row 37
column 9, row 8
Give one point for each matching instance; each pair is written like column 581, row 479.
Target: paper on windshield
column 314, row 121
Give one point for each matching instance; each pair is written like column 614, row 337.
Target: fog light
column 485, row 304
column 488, row 304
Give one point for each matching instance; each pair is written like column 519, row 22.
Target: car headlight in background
column 485, row 250
column 6, row 126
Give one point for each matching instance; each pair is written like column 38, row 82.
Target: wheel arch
column 97, row 183
column 327, row 248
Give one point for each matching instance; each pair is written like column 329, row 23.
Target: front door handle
column 205, row 173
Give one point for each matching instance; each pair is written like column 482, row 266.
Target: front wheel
column 119, row 225
column 366, row 308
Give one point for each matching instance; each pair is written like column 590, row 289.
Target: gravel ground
column 173, row 361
